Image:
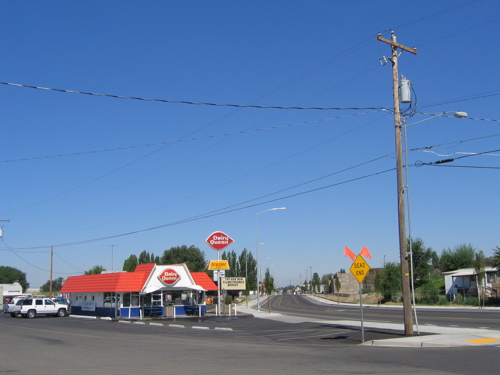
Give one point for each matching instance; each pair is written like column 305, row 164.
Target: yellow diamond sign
column 359, row 268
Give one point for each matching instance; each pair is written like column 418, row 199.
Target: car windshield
column 20, row 302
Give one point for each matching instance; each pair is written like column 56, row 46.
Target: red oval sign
column 219, row 240
column 169, row 276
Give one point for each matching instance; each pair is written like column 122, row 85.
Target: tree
column 234, row 268
column 145, row 258
column 338, row 285
column 9, row 275
column 268, row 287
column 388, row 280
column 248, row 269
column 327, row 281
column 462, row 256
column 96, row 270
column 422, row 258
column 192, row 256
column 480, row 275
column 130, row 264
column 315, row 283
column 496, row 257
column 56, row 285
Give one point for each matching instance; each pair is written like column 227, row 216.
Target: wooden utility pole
column 51, row 263
column 405, row 274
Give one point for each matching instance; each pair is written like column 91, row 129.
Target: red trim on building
column 109, row 282
column 203, row 280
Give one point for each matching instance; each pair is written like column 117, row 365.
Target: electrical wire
column 191, row 102
column 218, row 212
column 184, row 139
column 432, row 15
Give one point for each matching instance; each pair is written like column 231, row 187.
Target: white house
column 463, row 282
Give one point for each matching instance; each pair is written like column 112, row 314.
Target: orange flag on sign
column 349, row 253
column 364, row 252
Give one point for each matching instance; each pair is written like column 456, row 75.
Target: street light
column 407, row 187
column 257, row 249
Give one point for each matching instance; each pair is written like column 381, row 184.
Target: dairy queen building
column 150, row 291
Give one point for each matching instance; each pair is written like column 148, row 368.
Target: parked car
column 9, row 305
column 32, row 307
column 16, row 311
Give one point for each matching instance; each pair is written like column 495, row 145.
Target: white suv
column 32, row 307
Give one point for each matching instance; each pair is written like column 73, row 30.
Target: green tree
column 327, row 281
column 435, row 260
column 496, row 257
column 96, row 270
column 56, row 285
column 234, row 267
column 338, row 285
column 268, row 287
column 480, row 275
column 248, row 269
column 316, row 282
column 388, row 280
column 9, row 275
column 422, row 258
column 145, row 258
column 130, row 263
column 192, row 256
column 462, row 256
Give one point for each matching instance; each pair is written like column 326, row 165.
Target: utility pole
column 112, row 266
column 311, row 276
column 51, row 263
column 405, row 275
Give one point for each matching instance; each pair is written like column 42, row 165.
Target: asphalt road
column 446, row 316
column 243, row 345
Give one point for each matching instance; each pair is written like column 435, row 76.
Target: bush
column 228, row 300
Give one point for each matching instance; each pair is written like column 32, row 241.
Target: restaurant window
column 130, row 299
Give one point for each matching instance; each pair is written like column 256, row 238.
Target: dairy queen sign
column 169, row 277
column 219, row 240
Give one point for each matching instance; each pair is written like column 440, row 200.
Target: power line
column 218, row 212
column 183, row 139
column 190, row 102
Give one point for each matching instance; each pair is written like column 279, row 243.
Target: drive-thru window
column 150, row 291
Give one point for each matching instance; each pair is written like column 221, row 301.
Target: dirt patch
column 369, row 299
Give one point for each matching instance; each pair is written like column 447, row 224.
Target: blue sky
column 85, row 172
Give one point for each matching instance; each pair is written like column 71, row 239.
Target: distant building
column 14, row 289
column 463, row 282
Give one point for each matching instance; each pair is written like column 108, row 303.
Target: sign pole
column 361, row 309
column 219, row 285
column 360, row 269
column 218, row 241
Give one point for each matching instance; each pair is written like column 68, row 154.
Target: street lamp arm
column 455, row 114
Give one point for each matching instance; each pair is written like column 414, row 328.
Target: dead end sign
column 219, row 240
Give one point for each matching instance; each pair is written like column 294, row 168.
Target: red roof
column 203, row 280
column 109, row 282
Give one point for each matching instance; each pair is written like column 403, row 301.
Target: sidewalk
column 431, row 336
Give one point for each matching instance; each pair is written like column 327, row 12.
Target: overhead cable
column 191, row 102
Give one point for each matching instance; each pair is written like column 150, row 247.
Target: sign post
column 359, row 269
column 218, row 241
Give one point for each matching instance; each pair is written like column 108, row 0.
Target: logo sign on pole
column 169, row 277
column 233, row 283
column 218, row 265
column 359, row 268
column 219, row 240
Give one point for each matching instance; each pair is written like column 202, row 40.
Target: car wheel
column 13, row 315
column 31, row 314
column 61, row 313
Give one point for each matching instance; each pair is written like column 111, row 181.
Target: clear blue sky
column 84, row 172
